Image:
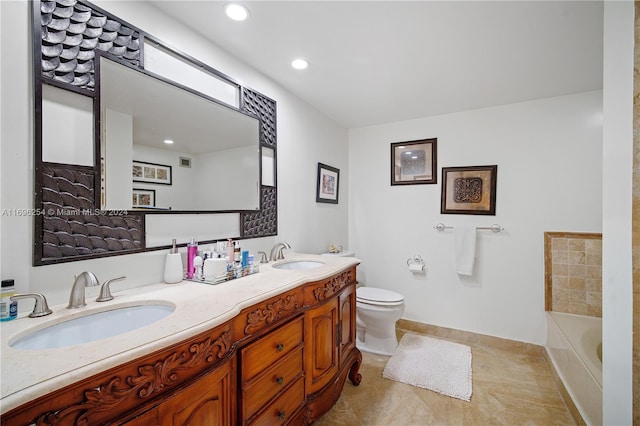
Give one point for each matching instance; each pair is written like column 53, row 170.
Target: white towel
column 465, row 249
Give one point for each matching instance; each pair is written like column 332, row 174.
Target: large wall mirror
column 103, row 122
column 211, row 150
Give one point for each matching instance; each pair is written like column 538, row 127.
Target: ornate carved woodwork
column 327, row 288
column 272, row 311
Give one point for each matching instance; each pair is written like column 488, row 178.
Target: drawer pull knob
column 280, row 347
column 280, row 380
column 281, row 415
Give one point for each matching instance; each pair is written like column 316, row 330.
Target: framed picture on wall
column 328, row 184
column 414, row 162
column 143, row 197
column 469, row 190
column 151, row 173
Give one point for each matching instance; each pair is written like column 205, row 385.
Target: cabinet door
column 321, row 344
column 207, row 402
column 347, row 325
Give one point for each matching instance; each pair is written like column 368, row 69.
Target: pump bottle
column 173, row 272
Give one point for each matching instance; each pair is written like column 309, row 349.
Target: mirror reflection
column 164, row 148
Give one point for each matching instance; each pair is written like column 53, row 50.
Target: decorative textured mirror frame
column 68, row 38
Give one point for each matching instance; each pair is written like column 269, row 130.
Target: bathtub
column 574, row 346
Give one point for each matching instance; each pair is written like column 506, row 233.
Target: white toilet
column 377, row 311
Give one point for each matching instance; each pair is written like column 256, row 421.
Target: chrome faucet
column 40, row 308
column 276, row 251
column 85, row 279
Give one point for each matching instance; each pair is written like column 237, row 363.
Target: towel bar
column 493, row 228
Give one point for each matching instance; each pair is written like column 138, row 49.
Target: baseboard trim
column 468, row 337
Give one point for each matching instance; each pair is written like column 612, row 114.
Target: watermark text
column 50, row 211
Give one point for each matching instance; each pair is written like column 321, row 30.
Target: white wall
column 617, row 262
column 548, row 154
column 304, row 138
column 231, row 179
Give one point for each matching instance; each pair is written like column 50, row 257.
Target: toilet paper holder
column 416, row 263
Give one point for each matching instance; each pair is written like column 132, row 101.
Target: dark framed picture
column 469, row 190
column 328, row 184
column 151, row 173
column 143, row 197
column 414, row 162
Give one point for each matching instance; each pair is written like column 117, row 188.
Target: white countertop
column 28, row 374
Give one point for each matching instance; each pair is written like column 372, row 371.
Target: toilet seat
column 378, row 296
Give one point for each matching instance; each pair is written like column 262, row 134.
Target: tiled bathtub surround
column 573, row 273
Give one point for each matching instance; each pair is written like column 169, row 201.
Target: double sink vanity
column 275, row 347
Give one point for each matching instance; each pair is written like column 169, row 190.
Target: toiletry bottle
column 173, row 272
column 8, row 307
column 198, row 263
column 237, row 253
column 230, row 250
column 192, row 252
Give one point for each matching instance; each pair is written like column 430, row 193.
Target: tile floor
column 511, row 386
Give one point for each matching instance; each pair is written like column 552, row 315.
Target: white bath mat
column 434, row 364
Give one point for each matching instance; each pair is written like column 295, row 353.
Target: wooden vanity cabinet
column 207, row 401
column 272, row 375
column 330, row 341
column 347, row 306
column 282, row 361
column 322, row 340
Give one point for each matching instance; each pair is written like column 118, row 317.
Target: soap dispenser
column 173, row 265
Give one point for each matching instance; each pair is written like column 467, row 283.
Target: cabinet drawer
column 270, row 348
column 283, row 409
column 271, row 382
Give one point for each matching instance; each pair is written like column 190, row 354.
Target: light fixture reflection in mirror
column 140, row 112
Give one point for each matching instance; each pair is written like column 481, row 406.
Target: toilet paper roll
column 416, row 267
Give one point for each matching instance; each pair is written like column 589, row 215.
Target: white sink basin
column 93, row 326
column 298, row 264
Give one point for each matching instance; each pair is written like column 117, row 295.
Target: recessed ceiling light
column 299, row 64
column 236, row 11
column 168, row 141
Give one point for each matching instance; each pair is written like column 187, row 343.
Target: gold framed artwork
column 469, row 190
column 414, row 162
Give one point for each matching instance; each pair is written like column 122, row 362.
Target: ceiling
column 373, row 62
